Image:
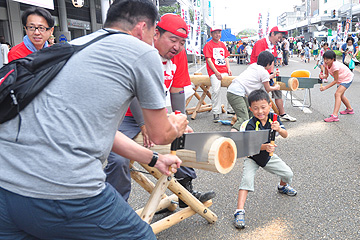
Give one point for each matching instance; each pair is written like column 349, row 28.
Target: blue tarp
column 226, row 36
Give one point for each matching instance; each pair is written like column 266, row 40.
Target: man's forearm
column 129, row 149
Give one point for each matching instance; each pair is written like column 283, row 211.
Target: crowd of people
column 52, row 181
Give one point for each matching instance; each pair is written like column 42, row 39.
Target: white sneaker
column 287, row 117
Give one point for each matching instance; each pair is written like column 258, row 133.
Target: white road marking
column 292, row 60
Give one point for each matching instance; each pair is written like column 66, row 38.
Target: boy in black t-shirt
column 260, row 106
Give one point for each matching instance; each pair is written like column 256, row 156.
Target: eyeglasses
column 41, row 28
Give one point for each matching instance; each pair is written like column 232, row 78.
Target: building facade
column 70, row 22
column 321, row 18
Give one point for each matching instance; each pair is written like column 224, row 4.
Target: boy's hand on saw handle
column 270, row 148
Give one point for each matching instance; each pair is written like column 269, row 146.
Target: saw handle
column 272, row 134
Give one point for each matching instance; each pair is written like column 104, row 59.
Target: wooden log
column 186, row 196
column 223, row 108
column 175, row 218
column 274, row 107
column 205, row 80
column 291, row 85
column 146, row 184
column 164, row 203
column 193, row 116
column 203, row 108
column 206, row 89
column 143, row 181
column 150, row 208
column 221, row 157
column 233, row 120
column 198, row 97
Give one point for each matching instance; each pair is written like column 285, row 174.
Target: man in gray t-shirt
column 51, row 180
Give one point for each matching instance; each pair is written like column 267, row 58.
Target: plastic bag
column 351, row 64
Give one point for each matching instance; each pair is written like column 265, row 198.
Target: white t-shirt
column 299, row 45
column 248, row 50
column 249, row 80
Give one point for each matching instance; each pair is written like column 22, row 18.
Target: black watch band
column 154, row 159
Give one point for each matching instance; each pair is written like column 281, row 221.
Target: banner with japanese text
column 186, row 16
column 347, row 26
column 260, row 31
column 267, row 24
column 339, row 30
column 197, row 28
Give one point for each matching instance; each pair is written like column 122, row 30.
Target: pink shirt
column 345, row 75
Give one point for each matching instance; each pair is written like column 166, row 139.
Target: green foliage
column 169, row 9
column 338, row 53
column 246, row 33
column 295, row 33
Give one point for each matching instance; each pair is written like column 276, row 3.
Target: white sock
column 239, row 210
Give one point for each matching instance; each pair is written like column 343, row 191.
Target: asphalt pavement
column 324, row 157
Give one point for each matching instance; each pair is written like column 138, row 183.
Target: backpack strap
column 108, row 33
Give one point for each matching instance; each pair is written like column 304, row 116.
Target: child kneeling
column 260, row 105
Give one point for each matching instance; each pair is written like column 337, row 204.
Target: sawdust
column 274, row 230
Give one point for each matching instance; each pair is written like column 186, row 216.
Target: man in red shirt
column 169, row 40
column 39, row 26
column 217, row 65
column 269, row 43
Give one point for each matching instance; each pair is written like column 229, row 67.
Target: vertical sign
column 260, row 32
column 347, row 27
column 186, row 16
column 339, row 30
column 210, row 8
column 267, row 24
column 197, row 28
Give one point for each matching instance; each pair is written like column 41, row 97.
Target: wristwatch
column 154, row 159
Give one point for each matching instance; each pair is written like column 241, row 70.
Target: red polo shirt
column 261, row 45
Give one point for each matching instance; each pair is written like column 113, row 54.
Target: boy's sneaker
column 287, row 117
column 347, row 111
column 216, row 118
column 239, row 221
column 287, row 190
column 332, row 118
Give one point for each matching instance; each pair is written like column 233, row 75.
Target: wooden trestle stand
column 203, row 81
column 221, row 158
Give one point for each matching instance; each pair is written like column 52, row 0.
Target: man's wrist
column 154, row 159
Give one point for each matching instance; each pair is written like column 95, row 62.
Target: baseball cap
column 171, row 22
column 215, row 28
column 276, row 29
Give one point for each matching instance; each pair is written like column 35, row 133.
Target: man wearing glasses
column 39, row 26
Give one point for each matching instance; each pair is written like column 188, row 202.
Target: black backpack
column 22, row 79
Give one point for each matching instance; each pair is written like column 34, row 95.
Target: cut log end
column 226, row 155
column 223, row 154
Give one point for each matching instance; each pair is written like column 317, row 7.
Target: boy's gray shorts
column 275, row 166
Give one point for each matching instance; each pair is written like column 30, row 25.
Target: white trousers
column 215, row 93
